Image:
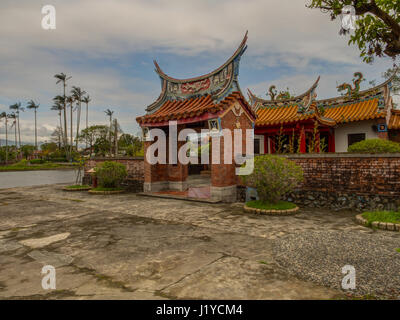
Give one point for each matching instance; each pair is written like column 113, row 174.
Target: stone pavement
column 129, row 247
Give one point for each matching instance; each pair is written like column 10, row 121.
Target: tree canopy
column 377, row 31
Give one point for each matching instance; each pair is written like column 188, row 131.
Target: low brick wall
column 351, row 181
column 134, row 166
column 336, row 181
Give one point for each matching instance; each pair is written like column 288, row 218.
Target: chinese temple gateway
column 281, row 124
column 212, row 101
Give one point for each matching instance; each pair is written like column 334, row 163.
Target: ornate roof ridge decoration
column 382, row 89
column 303, row 100
column 218, row 83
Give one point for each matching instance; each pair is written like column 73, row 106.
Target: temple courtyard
column 133, row 247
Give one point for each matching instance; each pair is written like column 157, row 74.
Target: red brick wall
column 223, row 175
column 134, row 166
column 345, row 173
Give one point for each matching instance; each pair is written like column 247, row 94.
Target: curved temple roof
column 218, row 84
column 362, row 105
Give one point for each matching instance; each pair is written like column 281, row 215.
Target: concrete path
column 129, row 247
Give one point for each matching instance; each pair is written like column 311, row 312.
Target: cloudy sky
column 108, row 48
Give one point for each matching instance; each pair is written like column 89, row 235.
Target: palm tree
column 14, row 124
column 109, row 113
column 60, row 100
column 59, row 107
column 4, row 115
column 70, row 100
column 78, row 94
column 62, row 78
column 34, row 106
column 17, row 107
column 87, row 100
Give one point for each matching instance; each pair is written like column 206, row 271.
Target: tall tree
column 378, row 26
column 14, row 124
column 62, row 78
column 78, row 94
column 70, row 100
column 87, row 100
column 4, row 115
column 32, row 105
column 17, row 108
column 109, row 113
column 59, row 107
column 60, row 100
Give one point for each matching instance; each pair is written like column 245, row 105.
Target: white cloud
column 281, row 33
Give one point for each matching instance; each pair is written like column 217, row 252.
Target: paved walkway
column 130, row 247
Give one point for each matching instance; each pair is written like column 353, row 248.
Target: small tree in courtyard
column 273, row 176
column 110, row 174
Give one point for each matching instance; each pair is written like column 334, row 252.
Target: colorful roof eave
column 165, row 79
column 209, row 110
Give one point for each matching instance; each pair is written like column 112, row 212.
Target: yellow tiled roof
column 362, row 110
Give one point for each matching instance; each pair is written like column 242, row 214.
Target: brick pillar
column 154, row 174
column 178, row 173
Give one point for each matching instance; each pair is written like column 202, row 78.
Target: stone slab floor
column 131, row 247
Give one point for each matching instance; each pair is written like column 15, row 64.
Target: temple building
column 213, row 102
column 304, row 124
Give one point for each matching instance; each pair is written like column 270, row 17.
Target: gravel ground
column 319, row 257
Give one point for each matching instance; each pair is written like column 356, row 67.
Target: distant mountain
column 11, row 142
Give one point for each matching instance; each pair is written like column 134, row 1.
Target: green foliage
column 131, row 145
column 11, row 151
column 78, row 186
column 374, row 146
column 51, row 147
column 97, row 138
column 382, row 216
column 110, row 174
column 273, row 176
column 378, row 26
column 106, row 189
column 27, row 150
column 36, row 161
column 280, row 205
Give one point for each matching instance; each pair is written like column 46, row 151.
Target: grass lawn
column 78, row 186
column 25, row 166
column 382, row 216
column 107, row 189
column 280, row 205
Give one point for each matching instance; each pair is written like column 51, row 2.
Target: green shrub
column 110, row 174
column 36, row 161
column 280, row 205
column 273, row 176
column 374, row 146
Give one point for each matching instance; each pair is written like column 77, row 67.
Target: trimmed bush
column 374, row 146
column 110, row 174
column 273, row 176
column 36, row 161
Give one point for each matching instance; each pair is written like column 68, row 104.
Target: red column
column 331, row 147
column 303, row 140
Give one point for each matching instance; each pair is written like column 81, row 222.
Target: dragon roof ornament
column 303, row 101
column 218, row 83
